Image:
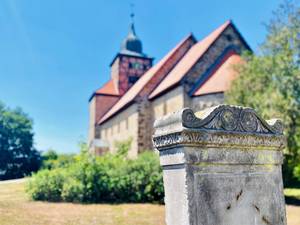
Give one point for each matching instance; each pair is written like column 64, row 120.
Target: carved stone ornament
column 220, row 125
column 231, row 118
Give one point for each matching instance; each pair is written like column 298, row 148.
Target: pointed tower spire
column 132, row 45
column 132, row 30
column 131, row 62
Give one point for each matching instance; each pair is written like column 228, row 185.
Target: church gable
column 201, row 57
column 220, row 76
column 229, row 42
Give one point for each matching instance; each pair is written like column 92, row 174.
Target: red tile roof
column 108, row 88
column 130, row 95
column 188, row 61
column 222, row 76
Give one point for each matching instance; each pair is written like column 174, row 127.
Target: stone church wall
column 121, row 128
column 205, row 101
column 92, row 119
column 127, row 124
column 150, row 110
column 98, row 106
column 169, row 102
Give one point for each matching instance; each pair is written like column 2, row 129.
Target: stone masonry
column 221, row 166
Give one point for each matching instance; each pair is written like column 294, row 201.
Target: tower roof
column 132, row 45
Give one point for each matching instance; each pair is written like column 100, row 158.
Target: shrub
column 72, row 191
column 145, row 178
column 109, row 178
column 123, row 147
column 46, row 185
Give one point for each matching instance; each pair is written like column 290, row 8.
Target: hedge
column 109, row 178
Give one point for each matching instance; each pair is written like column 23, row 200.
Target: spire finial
column 132, row 30
column 132, row 12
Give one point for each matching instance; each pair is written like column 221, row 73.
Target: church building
column 193, row 74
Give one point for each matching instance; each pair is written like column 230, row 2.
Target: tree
column 52, row 160
column 270, row 81
column 18, row 157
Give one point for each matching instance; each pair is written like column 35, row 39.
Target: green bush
column 72, row 191
column 123, row 147
column 47, row 185
column 109, row 178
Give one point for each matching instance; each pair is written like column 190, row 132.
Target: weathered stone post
column 221, row 166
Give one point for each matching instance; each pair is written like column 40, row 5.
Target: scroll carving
column 232, row 118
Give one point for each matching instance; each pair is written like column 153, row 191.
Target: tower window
column 132, row 79
column 135, row 65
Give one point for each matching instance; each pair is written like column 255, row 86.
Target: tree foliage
column 53, row 160
column 17, row 154
column 269, row 82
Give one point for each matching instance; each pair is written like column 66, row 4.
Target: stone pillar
column 221, row 166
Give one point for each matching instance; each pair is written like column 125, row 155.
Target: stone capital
column 221, row 166
column 220, row 126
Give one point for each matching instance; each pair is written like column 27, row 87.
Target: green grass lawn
column 17, row 209
column 292, row 192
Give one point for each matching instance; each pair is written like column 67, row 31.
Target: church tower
column 130, row 63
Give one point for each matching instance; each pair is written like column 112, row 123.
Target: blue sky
column 55, row 53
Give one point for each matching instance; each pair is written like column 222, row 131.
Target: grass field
column 16, row 209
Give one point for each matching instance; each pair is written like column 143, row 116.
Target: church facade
column 193, row 74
